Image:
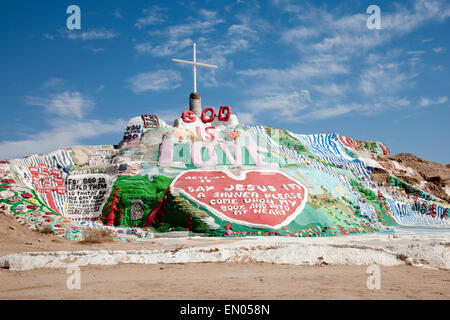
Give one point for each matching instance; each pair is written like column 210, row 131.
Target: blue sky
column 308, row 67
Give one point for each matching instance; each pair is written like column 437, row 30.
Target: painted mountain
column 212, row 176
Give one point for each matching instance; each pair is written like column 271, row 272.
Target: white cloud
column 168, row 48
column 175, row 38
column 437, row 68
column 323, row 113
column 438, row 49
column 94, row 34
column 187, row 29
column 168, row 115
column 213, row 47
column 240, row 30
column 152, row 16
column 331, row 44
column 313, row 66
column 93, row 49
column 416, row 52
column 63, row 104
column 405, row 20
column 48, row 36
column 63, row 134
column 331, row 89
column 208, row 14
column 118, row 14
column 425, row 102
column 381, row 78
column 53, row 83
column 300, row 33
column 155, row 81
column 247, row 118
column 403, row 102
column 349, row 33
column 284, row 105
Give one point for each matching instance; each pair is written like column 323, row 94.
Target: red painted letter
column 222, row 115
column 188, row 116
column 210, row 118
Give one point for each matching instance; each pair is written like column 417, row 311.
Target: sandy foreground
column 411, row 267
column 226, row 281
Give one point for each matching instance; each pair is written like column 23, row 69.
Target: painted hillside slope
column 217, row 178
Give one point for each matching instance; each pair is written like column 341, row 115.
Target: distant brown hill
column 428, row 175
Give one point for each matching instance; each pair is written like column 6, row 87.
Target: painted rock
column 255, row 198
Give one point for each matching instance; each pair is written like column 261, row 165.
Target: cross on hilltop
column 194, row 66
column 195, row 100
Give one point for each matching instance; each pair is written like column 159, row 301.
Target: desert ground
column 226, row 281
column 248, row 280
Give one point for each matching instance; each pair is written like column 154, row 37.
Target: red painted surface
column 109, row 219
column 267, row 199
column 46, row 181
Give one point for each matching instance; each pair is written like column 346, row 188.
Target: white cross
column 195, row 64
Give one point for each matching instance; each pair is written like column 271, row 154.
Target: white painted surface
column 426, row 251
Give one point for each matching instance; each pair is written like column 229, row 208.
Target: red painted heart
column 256, row 198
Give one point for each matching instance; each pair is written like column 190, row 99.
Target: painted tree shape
column 158, row 210
column 109, row 219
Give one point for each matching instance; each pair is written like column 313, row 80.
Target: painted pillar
column 195, row 104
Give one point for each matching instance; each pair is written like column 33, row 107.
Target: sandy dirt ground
column 15, row 238
column 202, row 280
column 226, row 281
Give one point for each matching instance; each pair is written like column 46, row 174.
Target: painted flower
column 34, row 201
column 227, row 233
column 234, row 134
column 26, row 195
column 20, row 207
column 13, row 199
column 7, row 181
column 177, row 134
